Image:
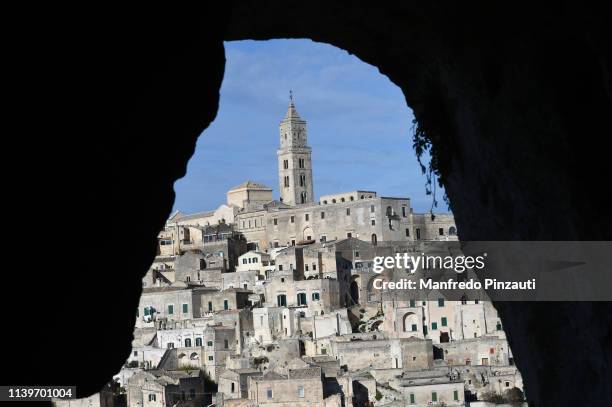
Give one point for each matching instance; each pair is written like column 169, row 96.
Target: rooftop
column 251, row 185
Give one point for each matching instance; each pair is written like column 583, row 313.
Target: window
column 286, row 181
column 226, row 344
column 198, row 341
column 305, row 267
column 424, row 329
column 407, row 232
column 441, row 231
column 372, row 209
column 434, row 326
column 440, row 302
column 210, row 358
column 413, row 327
column 187, row 343
column 403, row 211
column 286, row 164
column 412, row 303
column 323, row 238
column 185, row 308
column 434, row 396
column 244, row 261
column 452, row 231
column 210, row 308
column 209, row 343
column 233, row 387
column 281, row 300
column 315, row 296
column 170, row 309
column 444, row 321
column 225, row 304
column 498, row 326
column 280, row 267
column 307, row 217
column 456, row 395
column 374, row 239
column 275, row 221
column 292, row 219
column 301, row 298
column 348, row 211
column 349, row 234
column 418, row 233
column 202, row 264
column 170, row 345
column 412, row 399
column 135, row 353
column 324, row 202
column 269, row 393
column 352, row 198
column 152, row 397
column 322, row 215
column 292, row 242
column 302, row 180
column 300, row 391
column 147, row 311
column 314, row 267
column 341, row 199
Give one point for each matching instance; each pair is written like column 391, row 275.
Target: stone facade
column 296, row 388
column 294, row 160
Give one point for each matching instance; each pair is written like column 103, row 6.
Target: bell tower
column 294, row 159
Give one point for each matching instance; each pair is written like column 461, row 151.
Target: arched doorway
column 410, row 322
column 354, row 290
column 307, row 234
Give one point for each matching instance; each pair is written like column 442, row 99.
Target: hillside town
column 269, row 302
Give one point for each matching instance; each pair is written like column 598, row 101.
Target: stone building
column 166, row 304
column 429, row 389
column 233, row 383
column 297, row 217
column 440, row 320
column 377, row 351
column 256, row 261
column 213, row 300
column 161, row 388
column 294, row 160
column 296, row 388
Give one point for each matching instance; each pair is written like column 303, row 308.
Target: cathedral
column 296, row 218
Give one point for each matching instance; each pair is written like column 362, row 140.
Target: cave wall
column 105, row 110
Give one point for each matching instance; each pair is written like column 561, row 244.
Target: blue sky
column 359, row 126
